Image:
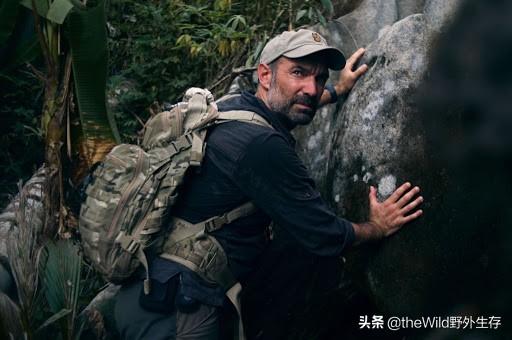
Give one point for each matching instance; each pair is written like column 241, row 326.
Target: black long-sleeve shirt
column 247, row 162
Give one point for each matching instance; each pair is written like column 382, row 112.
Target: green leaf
column 320, row 17
column 327, row 4
column 259, row 49
column 59, row 10
column 300, row 14
column 61, row 274
column 54, row 318
column 26, row 51
column 88, row 40
column 237, row 22
column 61, row 279
column 56, row 12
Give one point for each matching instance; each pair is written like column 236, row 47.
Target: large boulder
column 452, row 260
column 378, row 140
column 342, row 7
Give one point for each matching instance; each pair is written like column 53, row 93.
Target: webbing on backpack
column 243, row 116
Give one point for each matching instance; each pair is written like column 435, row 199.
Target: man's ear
column 264, row 76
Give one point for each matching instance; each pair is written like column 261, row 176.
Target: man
column 247, row 162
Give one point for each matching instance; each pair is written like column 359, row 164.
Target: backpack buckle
column 215, row 223
column 127, row 243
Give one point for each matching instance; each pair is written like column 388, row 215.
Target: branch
column 66, row 81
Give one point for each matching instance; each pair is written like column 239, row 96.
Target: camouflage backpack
column 130, row 198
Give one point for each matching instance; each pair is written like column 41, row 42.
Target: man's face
column 296, row 87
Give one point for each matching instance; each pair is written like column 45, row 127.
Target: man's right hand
column 388, row 217
column 348, row 76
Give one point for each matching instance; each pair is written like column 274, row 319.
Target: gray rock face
column 342, row 7
column 368, row 19
column 440, row 13
column 376, row 142
column 452, row 260
column 375, row 119
column 376, row 138
column 409, row 7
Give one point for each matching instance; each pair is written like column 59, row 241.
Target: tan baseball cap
column 297, row 44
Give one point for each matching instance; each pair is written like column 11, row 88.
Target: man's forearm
column 366, row 231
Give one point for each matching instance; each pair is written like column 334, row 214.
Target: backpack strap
column 197, row 151
column 243, row 116
column 217, row 222
column 184, row 229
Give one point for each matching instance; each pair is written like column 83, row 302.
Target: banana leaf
column 55, row 11
column 86, row 29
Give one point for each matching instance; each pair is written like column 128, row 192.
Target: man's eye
column 297, row 72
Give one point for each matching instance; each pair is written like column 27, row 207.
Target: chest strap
column 183, row 229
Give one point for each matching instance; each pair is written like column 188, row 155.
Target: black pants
column 276, row 296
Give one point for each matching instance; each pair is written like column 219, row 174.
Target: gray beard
column 275, row 103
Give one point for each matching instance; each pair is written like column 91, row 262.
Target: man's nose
column 310, row 86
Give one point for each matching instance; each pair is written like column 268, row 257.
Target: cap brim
column 334, row 59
